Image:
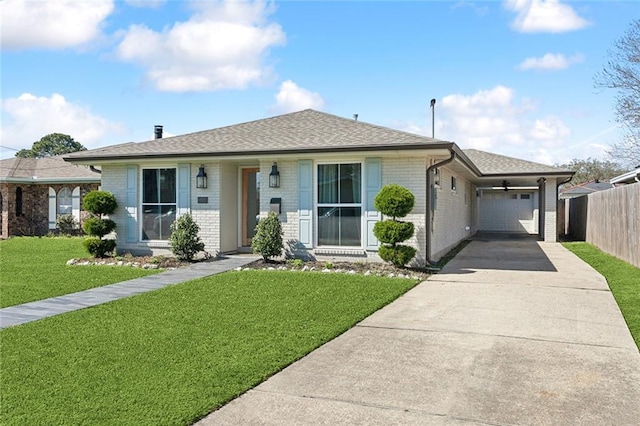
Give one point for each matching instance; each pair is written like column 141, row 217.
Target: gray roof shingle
column 302, row 131
column 49, row 169
column 494, row 164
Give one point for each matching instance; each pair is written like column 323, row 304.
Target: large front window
column 339, row 205
column 158, row 203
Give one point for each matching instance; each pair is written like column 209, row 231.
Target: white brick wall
column 550, row 202
column 452, row 215
column 114, row 181
column 288, row 192
column 207, row 215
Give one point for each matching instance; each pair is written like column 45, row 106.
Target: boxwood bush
column 394, row 201
column 99, row 204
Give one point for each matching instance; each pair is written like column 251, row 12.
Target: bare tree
column 622, row 73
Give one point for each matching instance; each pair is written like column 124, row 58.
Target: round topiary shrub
column 98, row 247
column 100, row 203
column 98, row 227
column 184, row 239
column 393, row 231
column 267, row 240
column 394, row 201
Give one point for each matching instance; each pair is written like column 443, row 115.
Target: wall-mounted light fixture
column 274, row 177
column 201, row 178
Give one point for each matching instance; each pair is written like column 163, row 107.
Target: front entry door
column 250, row 204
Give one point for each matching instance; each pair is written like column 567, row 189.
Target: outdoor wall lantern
column 274, row 177
column 201, row 178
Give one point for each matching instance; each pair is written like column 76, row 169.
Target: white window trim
column 362, row 203
column 141, row 170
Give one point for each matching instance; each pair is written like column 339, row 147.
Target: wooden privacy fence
column 609, row 220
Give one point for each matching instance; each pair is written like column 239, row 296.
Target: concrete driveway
column 510, row 332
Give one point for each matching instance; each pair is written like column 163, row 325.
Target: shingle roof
column 303, row 131
column 587, row 188
column 47, row 169
column 494, row 164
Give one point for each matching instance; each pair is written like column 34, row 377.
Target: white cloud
column 292, row 98
column 550, row 16
column 223, row 45
column 496, row 120
column 550, row 61
column 28, row 118
column 51, row 24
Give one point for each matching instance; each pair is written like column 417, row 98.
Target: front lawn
column 623, row 279
column 34, row 268
column 173, row 355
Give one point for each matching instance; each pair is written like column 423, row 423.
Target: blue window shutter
column 373, row 183
column 131, row 205
column 305, row 203
column 184, row 189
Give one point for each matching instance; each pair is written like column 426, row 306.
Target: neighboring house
column 34, row 192
column 585, row 188
column 627, row 178
column 321, row 173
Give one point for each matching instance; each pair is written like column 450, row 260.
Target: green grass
column 173, row 355
column 623, row 279
column 34, row 268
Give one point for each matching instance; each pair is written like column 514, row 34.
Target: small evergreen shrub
column 267, row 240
column 98, row 227
column 390, row 231
column 66, row 223
column 98, row 247
column 394, row 201
column 184, row 239
column 99, row 203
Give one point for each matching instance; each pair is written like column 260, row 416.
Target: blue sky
column 514, row 77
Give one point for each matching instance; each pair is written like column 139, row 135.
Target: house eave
column 36, row 180
column 234, row 155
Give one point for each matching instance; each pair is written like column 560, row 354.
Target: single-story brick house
column 320, row 172
column 34, row 192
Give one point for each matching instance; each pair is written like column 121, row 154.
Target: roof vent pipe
column 157, row 131
column 355, row 117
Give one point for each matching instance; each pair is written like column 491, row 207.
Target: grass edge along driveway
column 172, row 356
column 622, row 277
column 34, row 268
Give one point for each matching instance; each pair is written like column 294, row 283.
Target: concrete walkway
column 509, row 333
column 33, row 311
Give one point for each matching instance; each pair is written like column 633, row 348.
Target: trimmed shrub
column 392, row 231
column 98, row 227
column 394, row 201
column 100, row 203
column 399, row 255
column 267, row 240
column 98, row 247
column 184, row 239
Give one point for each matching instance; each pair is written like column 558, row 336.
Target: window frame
column 317, row 205
column 141, row 193
column 70, row 206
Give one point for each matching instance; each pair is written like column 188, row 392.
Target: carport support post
column 548, row 206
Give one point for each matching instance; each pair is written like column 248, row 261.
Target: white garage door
column 507, row 211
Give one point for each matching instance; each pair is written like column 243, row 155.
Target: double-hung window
column 340, row 205
column 158, row 203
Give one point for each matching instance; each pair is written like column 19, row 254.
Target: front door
column 250, row 204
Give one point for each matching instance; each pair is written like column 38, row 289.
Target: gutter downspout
column 93, row 169
column 430, row 213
